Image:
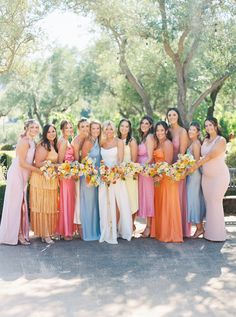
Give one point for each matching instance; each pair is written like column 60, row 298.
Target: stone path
column 139, row 278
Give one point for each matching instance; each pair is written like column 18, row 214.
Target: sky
column 67, row 29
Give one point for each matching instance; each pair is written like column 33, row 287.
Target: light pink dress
column 215, row 181
column 145, row 187
column 15, row 200
column 67, row 200
column 182, row 192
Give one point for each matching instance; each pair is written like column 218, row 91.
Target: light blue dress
column 89, row 208
column 195, row 200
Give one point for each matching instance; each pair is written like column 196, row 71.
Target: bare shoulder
column 222, row 140
column 133, row 141
column 183, row 131
column 150, row 137
column 119, row 142
column 168, row 144
column 196, row 144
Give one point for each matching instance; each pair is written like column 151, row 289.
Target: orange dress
column 166, row 224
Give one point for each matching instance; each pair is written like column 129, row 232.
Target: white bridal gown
column 108, row 197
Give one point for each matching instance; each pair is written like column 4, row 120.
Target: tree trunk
column 213, row 96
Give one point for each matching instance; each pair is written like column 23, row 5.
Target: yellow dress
column 131, row 184
column 44, row 201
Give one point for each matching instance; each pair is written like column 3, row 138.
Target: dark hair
column 180, row 122
column 166, row 127
column 150, row 120
column 129, row 136
column 64, row 123
column 214, row 121
column 44, row 141
column 195, row 124
column 83, row 119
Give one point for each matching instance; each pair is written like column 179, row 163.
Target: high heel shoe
column 22, row 241
column 197, row 234
column 47, row 240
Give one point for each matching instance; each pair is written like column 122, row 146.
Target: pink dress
column 67, row 200
column 15, row 200
column 182, row 192
column 215, row 181
column 145, row 187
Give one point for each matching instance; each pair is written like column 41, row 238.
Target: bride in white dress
column 115, row 214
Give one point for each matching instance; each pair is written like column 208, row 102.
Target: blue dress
column 195, row 200
column 89, row 208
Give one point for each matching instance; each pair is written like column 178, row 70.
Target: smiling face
column 68, row 130
column 172, row 117
column 145, row 126
column 95, row 130
column 160, row 133
column 109, row 131
column 193, row 133
column 124, row 128
column 51, row 134
column 84, row 128
column 32, row 130
column 210, row 128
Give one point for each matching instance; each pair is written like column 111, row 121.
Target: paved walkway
column 139, row 278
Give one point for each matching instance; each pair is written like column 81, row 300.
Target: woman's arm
column 120, row 148
column 77, row 144
column 168, row 150
column 40, row 155
column 134, row 150
column 62, row 146
column 22, row 149
column 183, row 139
column 86, row 148
column 218, row 148
column 150, row 148
column 196, row 150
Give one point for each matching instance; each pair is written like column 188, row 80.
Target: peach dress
column 44, row 201
column 166, row 224
column 215, row 181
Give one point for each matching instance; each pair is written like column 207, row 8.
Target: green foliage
column 7, row 147
column 2, row 193
column 231, row 155
column 6, row 158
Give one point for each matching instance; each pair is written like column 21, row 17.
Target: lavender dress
column 145, row 187
column 15, row 200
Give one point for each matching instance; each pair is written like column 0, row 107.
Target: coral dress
column 109, row 197
column 131, row 184
column 89, row 201
column 15, row 200
column 182, row 192
column 65, row 225
column 145, row 187
column 44, row 201
column 215, row 181
column 166, row 225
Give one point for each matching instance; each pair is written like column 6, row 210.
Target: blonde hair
column 27, row 124
column 106, row 124
column 100, row 125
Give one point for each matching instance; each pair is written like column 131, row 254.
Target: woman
column 180, row 142
column 77, row 143
column 14, row 224
column 89, row 194
column 130, row 155
column 195, row 200
column 167, row 224
column 215, row 180
column 115, row 214
column 44, row 191
column 145, row 183
column 65, row 226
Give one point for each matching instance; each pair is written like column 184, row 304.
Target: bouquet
column 90, row 172
column 49, row 170
column 178, row 169
column 76, row 169
column 109, row 175
column 129, row 169
column 65, row 170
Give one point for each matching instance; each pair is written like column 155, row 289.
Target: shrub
column 5, row 159
column 7, row 147
column 2, row 192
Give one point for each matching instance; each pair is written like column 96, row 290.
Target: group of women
column 105, row 213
